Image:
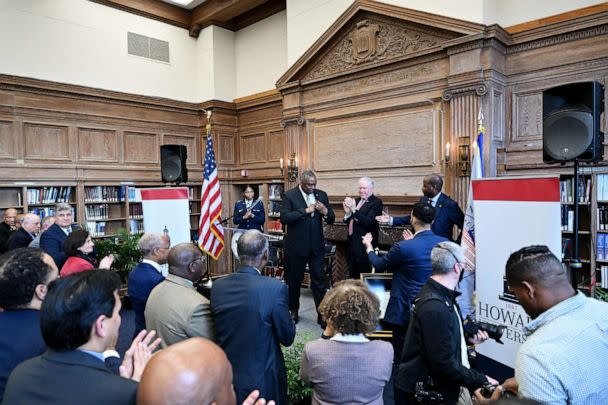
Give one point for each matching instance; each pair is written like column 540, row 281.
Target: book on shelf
column 134, row 195
column 567, row 246
column 96, row 228
column 566, row 188
column 136, row 226
column 601, row 246
column 96, row 212
column 104, row 194
column 48, row 195
column 604, row 276
column 567, row 218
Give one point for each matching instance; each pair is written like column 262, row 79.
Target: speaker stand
column 575, row 263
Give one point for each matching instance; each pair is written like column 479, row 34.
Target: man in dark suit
column 147, row 274
column 360, row 216
column 52, row 240
column 252, row 322
column 447, row 211
column 24, row 275
column 7, row 228
column 303, row 210
column 22, row 237
column 79, row 319
column 410, row 263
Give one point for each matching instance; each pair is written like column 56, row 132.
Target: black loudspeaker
column 571, row 123
column 173, row 163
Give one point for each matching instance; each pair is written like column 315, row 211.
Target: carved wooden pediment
column 371, row 34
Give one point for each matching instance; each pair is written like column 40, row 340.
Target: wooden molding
column 257, row 99
column 154, row 9
column 570, row 15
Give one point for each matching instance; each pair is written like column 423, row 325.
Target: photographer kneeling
column 434, row 367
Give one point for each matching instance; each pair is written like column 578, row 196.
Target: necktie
column 350, row 223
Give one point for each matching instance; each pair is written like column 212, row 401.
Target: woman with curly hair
column 348, row 368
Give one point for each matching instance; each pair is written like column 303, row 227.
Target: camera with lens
column 488, row 389
column 493, row 330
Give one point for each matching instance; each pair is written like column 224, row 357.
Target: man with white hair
column 7, row 227
column 45, row 224
column 52, row 240
column 147, row 274
column 30, row 226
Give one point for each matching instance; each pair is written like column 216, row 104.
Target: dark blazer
column 71, row 377
column 447, row 214
column 20, row 339
column 410, row 263
column 364, row 221
column 257, row 222
column 19, row 238
column 304, row 232
column 5, row 235
column 252, row 322
column 142, row 279
column 51, row 242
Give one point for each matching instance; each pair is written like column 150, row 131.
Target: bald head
column 193, row 371
column 9, row 216
column 186, row 261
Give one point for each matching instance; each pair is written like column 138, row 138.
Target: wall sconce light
column 281, row 165
column 292, row 168
column 464, row 162
column 447, row 152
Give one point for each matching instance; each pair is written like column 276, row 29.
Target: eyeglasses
column 463, row 266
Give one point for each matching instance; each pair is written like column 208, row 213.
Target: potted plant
column 125, row 251
column 297, row 390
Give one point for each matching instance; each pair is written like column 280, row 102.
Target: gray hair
column 307, row 174
column 369, row 181
column 149, row 242
column 251, row 247
column 444, row 257
column 62, row 207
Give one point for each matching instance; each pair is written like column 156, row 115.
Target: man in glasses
column 174, row 308
column 435, row 350
column 148, row 273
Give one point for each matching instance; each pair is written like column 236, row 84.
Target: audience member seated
column 348, row 368
column 78, row 247
column 252, row 321
column 194, row 371
column 22, row 237
column 52, row 240
column 147, row 274
column 24, row 275
column 45, row 224
column 563, row 360
column 174, row 308
column 79, row 319
column 7, row 227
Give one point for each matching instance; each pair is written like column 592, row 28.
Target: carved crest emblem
column 364, row 41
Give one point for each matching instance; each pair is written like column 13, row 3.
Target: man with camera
column 434, row 367
column 563, row 360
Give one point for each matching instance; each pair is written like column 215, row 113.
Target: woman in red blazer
column 78, row 246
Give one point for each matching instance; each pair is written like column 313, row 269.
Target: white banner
column 510, row 213
column 167, row 210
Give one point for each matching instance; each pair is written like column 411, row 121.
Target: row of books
column 601, row 243
column 97, row 212
column 274, row 208
column 136, row 226
column 567, row 215
column 133, row 194
column 566, row 190
column 602, row 218
column 104, row 193
column 49, row 212
column 48, row 195
column 602, row 187
column 96, row 229
column 136, row 211
column 604, row 277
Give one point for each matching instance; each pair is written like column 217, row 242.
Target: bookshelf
column 274, row 198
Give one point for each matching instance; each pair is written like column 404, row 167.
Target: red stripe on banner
column 540, row 190
column 164, row 194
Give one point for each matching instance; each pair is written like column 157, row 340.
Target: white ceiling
column 190, row 3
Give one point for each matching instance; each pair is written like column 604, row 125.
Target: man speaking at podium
column 303, row 210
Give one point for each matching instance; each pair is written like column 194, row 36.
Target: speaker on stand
column 571, row 133
column 173, row 164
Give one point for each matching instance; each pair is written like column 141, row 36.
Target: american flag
column 211, row 233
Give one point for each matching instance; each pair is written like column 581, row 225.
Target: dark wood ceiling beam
column 220, row 12
column 154, row 9
column 267, row 9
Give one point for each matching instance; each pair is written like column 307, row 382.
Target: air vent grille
column 151, row 48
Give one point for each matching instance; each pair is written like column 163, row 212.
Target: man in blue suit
column 147, row 274
column 410, row 262
column 252, row 321
column 52, row 240
column 24, row 276
column 447, row 211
